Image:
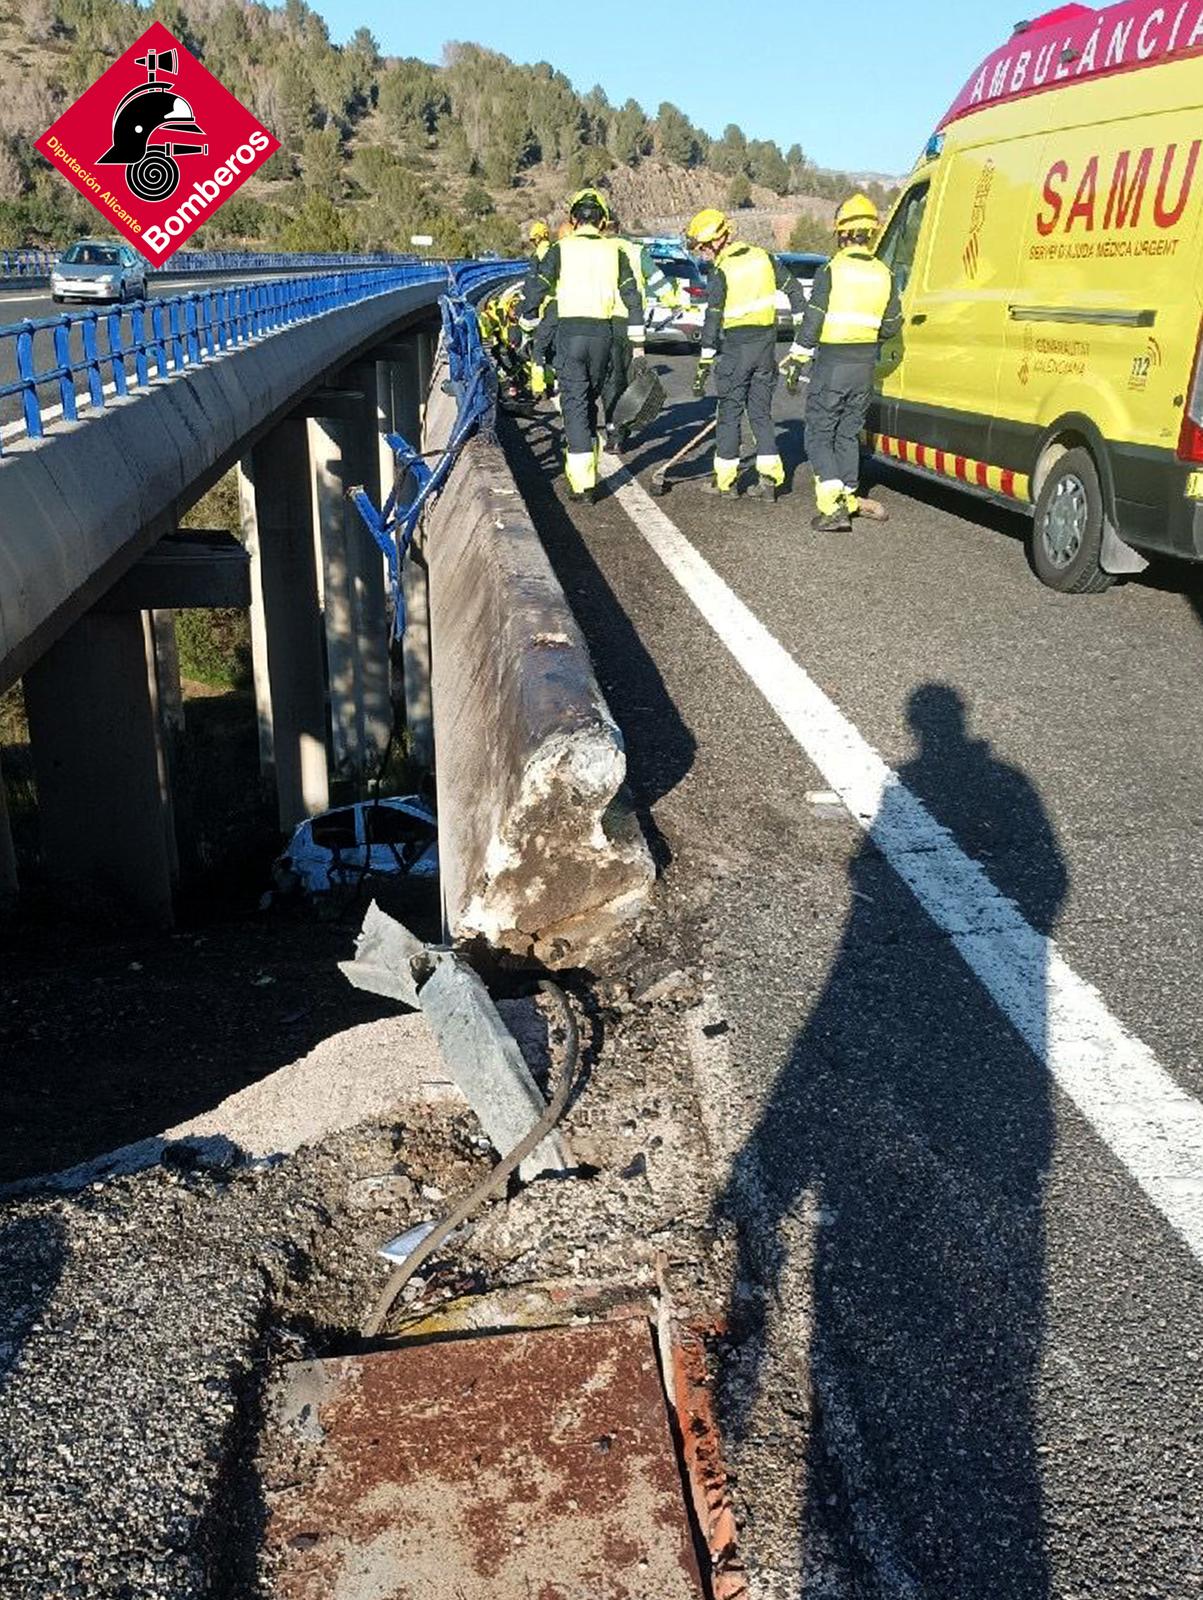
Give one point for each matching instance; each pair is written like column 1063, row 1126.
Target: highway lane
column 967, row 1296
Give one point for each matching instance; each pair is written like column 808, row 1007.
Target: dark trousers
column 582, row 360
column 745, row 376
column 837, row 402
column 619, row 374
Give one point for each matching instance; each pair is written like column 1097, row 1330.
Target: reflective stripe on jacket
column 851, row 298
column 751, row 278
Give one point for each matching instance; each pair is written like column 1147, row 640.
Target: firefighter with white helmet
column 739, row 338
column 853, row 306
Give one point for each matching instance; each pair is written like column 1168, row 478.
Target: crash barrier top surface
column 116, row 350
column 473, row 382
column 539, row 852
column 38, row 263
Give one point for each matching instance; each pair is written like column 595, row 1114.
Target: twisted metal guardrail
column 115, row 351
column 473, row 380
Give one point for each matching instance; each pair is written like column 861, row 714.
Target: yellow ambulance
column 1049, row 254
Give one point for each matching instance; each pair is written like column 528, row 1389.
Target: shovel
column 659, row 481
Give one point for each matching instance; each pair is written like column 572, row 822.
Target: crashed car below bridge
column 392, row 837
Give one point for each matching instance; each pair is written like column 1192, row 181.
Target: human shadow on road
column 660, row 747
column 908, row 1136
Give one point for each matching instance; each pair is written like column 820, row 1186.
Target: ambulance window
column 898, row 244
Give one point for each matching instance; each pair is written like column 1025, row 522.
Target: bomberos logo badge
column 157, row 144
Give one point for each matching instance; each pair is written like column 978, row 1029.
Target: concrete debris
column 483, row 1057
column 403, row 1246
column 480, row 1052
column 676, row 986
column 139, row 1318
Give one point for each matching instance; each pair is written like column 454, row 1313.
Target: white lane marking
column 1146, row 1119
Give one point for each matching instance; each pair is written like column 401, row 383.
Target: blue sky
column 863, row 100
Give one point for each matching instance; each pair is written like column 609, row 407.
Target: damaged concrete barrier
column 541, row 854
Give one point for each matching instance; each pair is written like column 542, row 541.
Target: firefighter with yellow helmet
column 539, row 235
column 586, row 275
column 739, row 337
column 853, row 306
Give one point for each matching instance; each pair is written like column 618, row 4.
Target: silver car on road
column 98, row 269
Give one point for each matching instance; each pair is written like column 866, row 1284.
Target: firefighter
column 539, row 235
column 853, row 307
column 618, row 375
column 586, row 274
column 739, row 338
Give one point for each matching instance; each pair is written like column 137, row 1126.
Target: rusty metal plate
column 523, row 1466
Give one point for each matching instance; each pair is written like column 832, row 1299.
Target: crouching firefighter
column 585, row 275
column 739, row 340
column 853, row 307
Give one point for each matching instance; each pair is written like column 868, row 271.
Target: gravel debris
column 143, row 1317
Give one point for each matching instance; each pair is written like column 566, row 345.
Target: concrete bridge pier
column 104, row 798
column 404, row 371
column 287, row 646
column 352, row 592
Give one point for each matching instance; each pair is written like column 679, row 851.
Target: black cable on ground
column 401, row 1275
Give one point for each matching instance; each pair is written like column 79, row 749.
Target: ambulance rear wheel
column 1067, row 529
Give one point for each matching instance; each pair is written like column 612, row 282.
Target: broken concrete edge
column 540, row 851
column 212, row 1152
column 480, row 1053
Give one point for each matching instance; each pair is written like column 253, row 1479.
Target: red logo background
column 237, row 146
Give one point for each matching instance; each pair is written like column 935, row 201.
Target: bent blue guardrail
column 115, row 351
column 474, row 382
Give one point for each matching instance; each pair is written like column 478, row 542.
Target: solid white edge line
column 1151, row 1124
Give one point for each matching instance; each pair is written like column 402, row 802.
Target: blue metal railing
column 117, row 350
column 37, row 263
column 474, row 383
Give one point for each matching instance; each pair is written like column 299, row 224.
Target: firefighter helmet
column 142, row 112
column 857, row 215
column 588, row 205
column 708, row 227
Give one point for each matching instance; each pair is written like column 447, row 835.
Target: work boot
column 763, row 489
column 582, row 496
column 617, row 438
column 832, row 522
column 710, row 487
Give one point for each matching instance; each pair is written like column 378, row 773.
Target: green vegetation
column 215, row 647
column 812, row 233
column 374, row 148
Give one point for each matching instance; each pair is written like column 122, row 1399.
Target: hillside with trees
column 375, row 148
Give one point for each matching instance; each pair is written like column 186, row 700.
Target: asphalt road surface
column 936, row 834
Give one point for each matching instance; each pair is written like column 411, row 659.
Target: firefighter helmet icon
column 151, row 170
